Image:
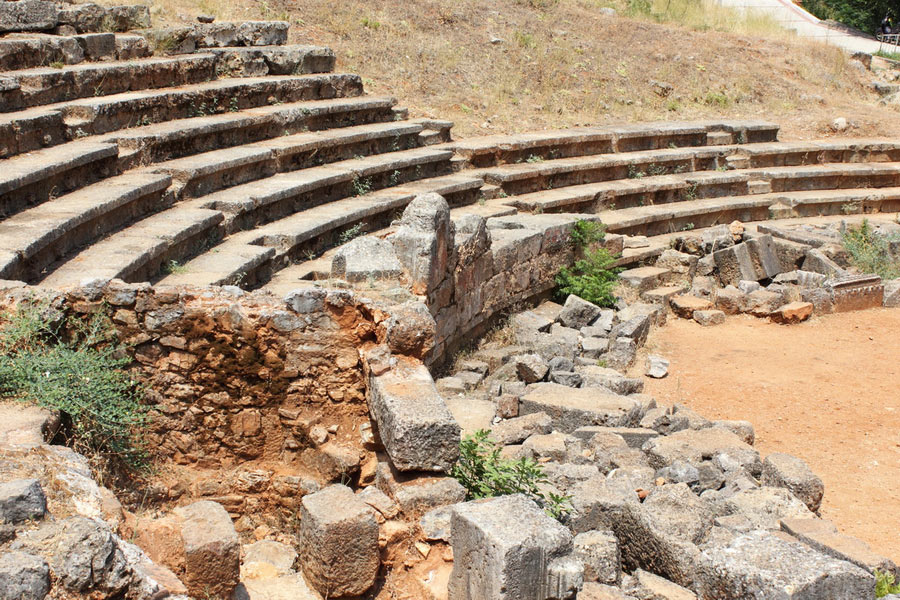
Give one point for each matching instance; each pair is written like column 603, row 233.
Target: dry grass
column 563, row 63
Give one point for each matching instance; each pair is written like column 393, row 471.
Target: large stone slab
column 28, row 15
column 505, row 549
column 571, row 408
column 784, row 470
column 825, row 537
column 695, row 446
column 364, row 259
column 212, row 550
column 416, row 427
column 338, row 542
column 763, row 564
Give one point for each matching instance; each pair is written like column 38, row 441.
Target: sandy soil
column 827, row 391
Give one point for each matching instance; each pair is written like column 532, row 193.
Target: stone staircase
column 229, row 157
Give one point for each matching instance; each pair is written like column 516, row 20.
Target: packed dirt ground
column 518, row 65
column 824, row 390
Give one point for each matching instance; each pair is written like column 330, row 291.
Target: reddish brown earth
column 827, row 390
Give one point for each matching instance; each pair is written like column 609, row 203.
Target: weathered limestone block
column 825, row 537
column 246, row 33
column 212, row 550
column 793, row 312
column 417, row 428
column 417, row 494
column 694, row 446
column 578, row 313
column 21, row 500
column 517, row 430
column 612, row 380
column 636, row 328
column 743, row 429
column 684, row 306
column 505, row 548
column 599, row 552
column 531, row 368
column 765, row 506
column 763, row 564
column 411, row 329
column 571, row 408
column 338, row 542
column 753, row 260
column 792, row 473
column 423, row 242
column 366, row 258
column 27, row 15
column 858, row 292
column 709, row 318
column 23, row 576
column 647, row 585
column 600, row 503
column 601, row 591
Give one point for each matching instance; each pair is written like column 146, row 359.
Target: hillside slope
column 515, row 65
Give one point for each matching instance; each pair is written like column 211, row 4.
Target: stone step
column 785, row 154
column 91, row 18
column 49, row 85
column 625, row 193
column 827, row 176
column 33, row 128
column 272, row 60
column 487, row 209
column 33, row 50
column 219, row 34
column 35, row 177
column 304, row 235
column 529, row 177
column 174, row 139
column 141, row 251
column 205, row 173
column 45, row 233
column 505, row 149
column 682, row 216
column 287, row 193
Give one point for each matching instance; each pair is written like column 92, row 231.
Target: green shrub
column 885, row 584
column 587, row 233
column 481, row 470
column 76, row 367
column 870, row 251
column 593, row 277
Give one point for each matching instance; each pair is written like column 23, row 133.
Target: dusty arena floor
column 827, row 391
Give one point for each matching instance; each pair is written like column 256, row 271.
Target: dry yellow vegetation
column 515, row 65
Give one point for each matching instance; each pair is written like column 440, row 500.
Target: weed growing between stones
column 885, row 584
column 484, row 474
column 870, row 251
column 593, row 277
column 75, row 366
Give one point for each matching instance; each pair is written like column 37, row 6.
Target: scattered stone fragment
column 517, row 430
column 793, row 474
column 709, row 318
column 794, row 312
column 23, row 576
column 743, row 429
column 578, row 313
column 647, row 585
column 657, row 367
column 684, row 306
column 731, row 300
column 338, row 542
column 599, row 552
column 612, row 380
column 566, row 378
column 531, row 368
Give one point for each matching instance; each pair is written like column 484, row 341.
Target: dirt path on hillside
column 827, row 391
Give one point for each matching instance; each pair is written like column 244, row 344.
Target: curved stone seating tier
column 35, row 128
column 33, row 50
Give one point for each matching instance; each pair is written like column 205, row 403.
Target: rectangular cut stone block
column 416, row 427
column 338, row 542
column 571, row 408
column 825, row 537
column 503, row 549
column 212, row 550
column 764, row 564
column 28, row 15
column 856, row 292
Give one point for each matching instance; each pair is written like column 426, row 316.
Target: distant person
column 886, row 25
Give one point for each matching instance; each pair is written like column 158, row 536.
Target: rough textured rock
column 517, row 430
column 531, row 368
column 792, row 473
column 599, row 552
column 422, row 242
column 212, row 550
column 694, row 446
column 21, row 500
column 23, row 576
column 338, row 542
column 571, row 408
column 764, row 564
column 657, row 367
column 417, row 429
column 793, row 312
column 505, row 548
column 708, row 318
column 610, row 379
column 578, row 313
column 415, row 493
column 825, row 537
column 685, row 306
column 27, row 15
column 648, row 586
column 764, row 507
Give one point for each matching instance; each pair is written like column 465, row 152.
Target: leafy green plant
column 485, row 474
column 593, row 277
column 885, row 584
column 870, row 251
column 75, row 366
column 361, row 186
column 351, row 233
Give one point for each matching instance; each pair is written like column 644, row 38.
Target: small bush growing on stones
column 593, row 277
column 885, row 584
column 77, row 367
column 870, row 251
column 485, row 474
